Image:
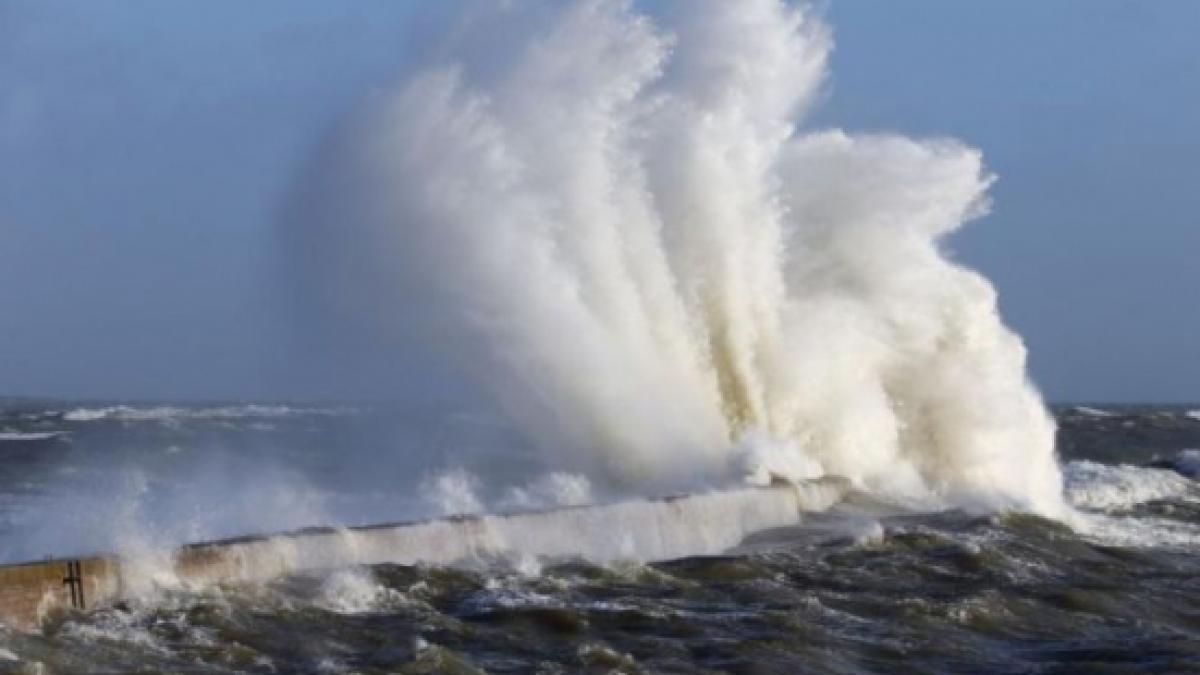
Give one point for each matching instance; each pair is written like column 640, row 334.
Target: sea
column 862, row 587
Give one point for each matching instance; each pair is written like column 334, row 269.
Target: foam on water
column 1091, row 412
column 1118, row 530
column 18, row 436
column 355, row 591
column 619, row 228
column 125, row 413
column 1106, row 497
column 1091, row 485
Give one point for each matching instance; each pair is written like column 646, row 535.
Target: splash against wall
column 620, row 229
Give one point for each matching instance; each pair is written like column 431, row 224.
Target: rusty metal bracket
column 74, row 580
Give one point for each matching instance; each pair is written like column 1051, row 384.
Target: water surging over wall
column 617, row 227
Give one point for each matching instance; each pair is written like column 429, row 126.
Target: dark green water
column 860, row 589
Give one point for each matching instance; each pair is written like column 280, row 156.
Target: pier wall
column 647, row 530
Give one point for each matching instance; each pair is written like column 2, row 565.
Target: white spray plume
column 453, row 492
column 620, row 230
column 556, row 488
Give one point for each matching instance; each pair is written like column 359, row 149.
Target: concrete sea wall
column 648, row 530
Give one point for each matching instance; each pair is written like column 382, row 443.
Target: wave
column 618, row 228
column 1091, row 485
column 30, row 435
column 125, row 413
column 1187, row 462
column 1136, row 506
column 1092, row 412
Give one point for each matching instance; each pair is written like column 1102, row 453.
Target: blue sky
column 1089, row 111
column 146, row 149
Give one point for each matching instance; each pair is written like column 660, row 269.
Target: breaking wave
column 126, row 413
column 619, row 228
column 24, row 436
column 1091, row 485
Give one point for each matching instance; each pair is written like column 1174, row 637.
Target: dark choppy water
column 859, row 589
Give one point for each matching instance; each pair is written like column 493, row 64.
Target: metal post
column 74, row 580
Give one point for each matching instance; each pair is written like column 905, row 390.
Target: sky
column 147, row 149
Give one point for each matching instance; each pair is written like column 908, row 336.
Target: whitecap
column 29, row 435
column 163, row 413
column 1091, row 485
column 355, row 591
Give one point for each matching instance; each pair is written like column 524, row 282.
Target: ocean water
column 619, row 229
column 865, row 586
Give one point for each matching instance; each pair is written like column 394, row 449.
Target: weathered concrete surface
column 31, row 591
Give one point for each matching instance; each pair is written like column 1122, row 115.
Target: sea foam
column 620, row 228
column 1091, row 485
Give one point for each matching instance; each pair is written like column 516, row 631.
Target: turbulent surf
column 708, row 394
column 862, row 587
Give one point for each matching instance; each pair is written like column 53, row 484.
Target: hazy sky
column 146, row 149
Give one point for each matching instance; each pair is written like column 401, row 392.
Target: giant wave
column 619, row 227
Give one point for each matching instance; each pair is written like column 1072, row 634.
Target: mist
column 613, row 227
